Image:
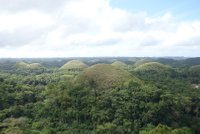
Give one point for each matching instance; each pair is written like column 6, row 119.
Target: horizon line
column 101, row 57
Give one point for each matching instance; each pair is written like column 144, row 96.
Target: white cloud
column 22, row 5
column 91, row 28
column 31, row 18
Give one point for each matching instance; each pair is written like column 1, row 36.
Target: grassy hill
column 195, row 69
column 152, row 66
column 29, row 68
column 32, row 66
column 154, row 71
column 194, row 74
column 140, row 62
column 74, row 65
column 104, row 76
column 119, row 64
column 21, row 65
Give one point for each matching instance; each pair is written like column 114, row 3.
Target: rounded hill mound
column 21, row 64
column 74, row 65
column 141, row 62
column 195, row 68
column 119, row 64
column 32, row 66
column 104, row 76
column 153, row 66
column 35, row 66
column 154, row 71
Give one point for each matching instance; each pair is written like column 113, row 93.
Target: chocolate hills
column 104, row 76
column 74, row 65
column 31, row 66
column 119, row 64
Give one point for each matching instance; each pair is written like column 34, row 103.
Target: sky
column 95, row 28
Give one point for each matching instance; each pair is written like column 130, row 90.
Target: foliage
column 156, row 99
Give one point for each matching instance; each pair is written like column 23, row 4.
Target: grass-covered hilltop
column 195, row 69
column 28, row 68
column 115, row 95
column 140, row 62
column 33, row 66
column 104, row 76
column 119, row 64
column 153, row 70
column 74, row 65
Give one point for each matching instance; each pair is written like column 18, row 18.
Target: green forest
column 115, row 95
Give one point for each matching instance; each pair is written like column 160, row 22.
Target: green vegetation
column 74, row 65
column 32, row 66
column 152, row 98
column 140, row 62
column 195, row 69
column 153, row 71
column 27, row 68
column 194, row 73
column 153, row 66
column 119, row 64
column 104, row 76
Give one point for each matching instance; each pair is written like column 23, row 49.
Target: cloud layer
column 72, row 28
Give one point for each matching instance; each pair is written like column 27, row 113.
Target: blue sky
column 89, row 28
column 183, row 9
